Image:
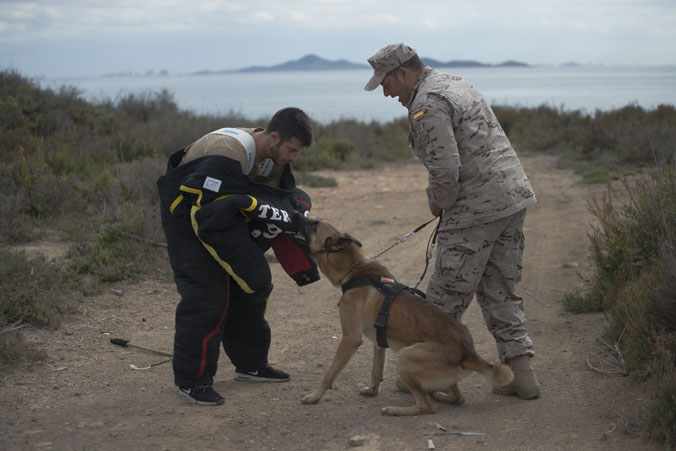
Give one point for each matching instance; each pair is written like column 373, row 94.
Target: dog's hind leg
column 451, row 396
column 423, row 404
column 376, row 372
column 415, row 364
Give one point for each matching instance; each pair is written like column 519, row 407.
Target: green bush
column 633, row 249
column 32, row 290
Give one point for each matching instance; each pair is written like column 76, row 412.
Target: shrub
column 633, row 250
column 32, row 290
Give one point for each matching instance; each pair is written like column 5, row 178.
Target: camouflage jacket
column 474, row 173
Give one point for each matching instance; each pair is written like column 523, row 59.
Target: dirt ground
column 86, row 396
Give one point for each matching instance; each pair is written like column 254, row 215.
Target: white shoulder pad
column 247, row 142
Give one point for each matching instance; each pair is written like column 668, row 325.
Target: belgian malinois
column 434, row 351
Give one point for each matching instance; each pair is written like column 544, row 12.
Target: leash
column 126, row 344
column 389, row 287
column 430, row 244
column 405, row 237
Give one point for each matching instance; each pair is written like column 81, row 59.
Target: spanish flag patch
column 384, row 279
column 417, row 115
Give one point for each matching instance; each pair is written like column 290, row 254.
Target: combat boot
column 525, row 384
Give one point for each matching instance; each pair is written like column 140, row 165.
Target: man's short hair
column 415, row 64
column 290, row 123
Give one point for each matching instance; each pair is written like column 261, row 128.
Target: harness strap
column 389, row 288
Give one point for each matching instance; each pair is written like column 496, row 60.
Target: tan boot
column 525, row 384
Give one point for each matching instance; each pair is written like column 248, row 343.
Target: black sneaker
column 200, row 394
column 267, row 374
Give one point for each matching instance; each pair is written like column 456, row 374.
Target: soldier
column 476, row 183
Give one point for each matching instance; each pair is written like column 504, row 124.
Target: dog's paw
column 309, row 399
column 449, row 398
column 368, row 391
column 389, row 410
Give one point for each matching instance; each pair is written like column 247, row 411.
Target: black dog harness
column 389, row 288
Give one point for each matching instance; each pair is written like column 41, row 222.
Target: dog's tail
column 497, row 374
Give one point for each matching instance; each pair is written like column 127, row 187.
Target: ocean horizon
column 332, row 95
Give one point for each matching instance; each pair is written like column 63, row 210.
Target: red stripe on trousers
column 203, row 360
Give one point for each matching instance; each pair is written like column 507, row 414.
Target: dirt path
column 85, row 396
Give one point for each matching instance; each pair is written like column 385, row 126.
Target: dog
column 434, row 350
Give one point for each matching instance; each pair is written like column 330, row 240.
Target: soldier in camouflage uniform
column 477, row 184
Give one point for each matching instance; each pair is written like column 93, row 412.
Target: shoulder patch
column 417, row 115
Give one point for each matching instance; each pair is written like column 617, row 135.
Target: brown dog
column 434, row 351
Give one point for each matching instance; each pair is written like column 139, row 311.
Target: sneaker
column 267, row 374
column 200, row 394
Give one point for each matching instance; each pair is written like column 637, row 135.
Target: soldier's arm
column 438, row 150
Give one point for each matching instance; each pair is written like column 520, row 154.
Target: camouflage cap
column 386, row 60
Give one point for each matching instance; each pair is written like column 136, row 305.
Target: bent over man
column 225, row 200
column 476, row 183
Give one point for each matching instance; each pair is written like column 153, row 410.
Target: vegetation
column 88, row 170
column 633, row 250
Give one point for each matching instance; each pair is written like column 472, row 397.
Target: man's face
column 286, row 152
column 395, row 85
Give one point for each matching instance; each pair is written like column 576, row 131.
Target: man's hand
column 436, row 211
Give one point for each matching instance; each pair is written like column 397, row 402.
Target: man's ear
column 275, row 138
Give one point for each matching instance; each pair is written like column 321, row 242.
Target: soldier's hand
column 436, row 211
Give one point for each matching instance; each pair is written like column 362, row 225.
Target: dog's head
column 333, row 250
column 320, row 236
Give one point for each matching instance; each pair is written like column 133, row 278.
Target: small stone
column 357, row 440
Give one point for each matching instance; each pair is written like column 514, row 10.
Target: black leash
column 403, row 238
column 428, row 254
column 430, row 244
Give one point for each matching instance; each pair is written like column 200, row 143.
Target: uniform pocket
column 460, row 265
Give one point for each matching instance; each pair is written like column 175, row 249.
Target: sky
column 66, row 38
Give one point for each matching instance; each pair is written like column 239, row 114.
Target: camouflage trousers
column 486, row 261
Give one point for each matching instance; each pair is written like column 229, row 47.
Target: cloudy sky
column 65, row 38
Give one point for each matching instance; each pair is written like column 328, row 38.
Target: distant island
column 470, row 63
column 314, row 62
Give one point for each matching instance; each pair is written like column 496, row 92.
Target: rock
column 357, row 440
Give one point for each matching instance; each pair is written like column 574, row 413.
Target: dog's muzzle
column 301, row 235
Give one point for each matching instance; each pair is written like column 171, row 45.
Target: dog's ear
column 338, row 243
column 353, row 239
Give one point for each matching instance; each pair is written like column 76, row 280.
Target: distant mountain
column 308, row 62
column 314, row 62
column 469, row 63
column 512, row 64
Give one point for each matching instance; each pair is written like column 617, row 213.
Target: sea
column 329, row 96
